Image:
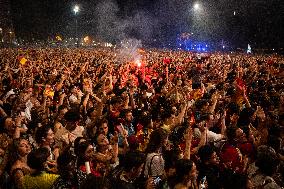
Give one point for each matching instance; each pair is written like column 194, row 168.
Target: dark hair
column 233, row 108
column 183, row 167
column 267, row 160
column 157, row 138
column 101, row 121
column 72, row 116
column 239, row 181
column 76, row 144
column 37, row 158
column 41, row 133
column 245, row 116
column 133, row 160
column 89, row 111
column 64, row 159
column 205, row 153
column 171, row 157
column 93, row 182
column 80, row 151
column 231, row 133
column 13, row 151
column 61, row 107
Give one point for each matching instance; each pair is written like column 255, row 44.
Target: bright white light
column 138, row 63
column 196, row 6
column 76, row 9
column 234, row 13
column 223, row 46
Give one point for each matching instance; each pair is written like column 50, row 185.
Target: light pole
column 76, row 10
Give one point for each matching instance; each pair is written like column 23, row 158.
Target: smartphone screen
column 157, row 180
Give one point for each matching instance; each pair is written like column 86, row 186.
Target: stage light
column 138, row 63
column 76, row 9
column 196, row 6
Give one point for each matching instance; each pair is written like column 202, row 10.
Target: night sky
column 258, row 22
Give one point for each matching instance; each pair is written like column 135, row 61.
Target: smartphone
column 202, row 184
column 157, row 180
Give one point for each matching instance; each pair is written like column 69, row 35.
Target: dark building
column 6, row 26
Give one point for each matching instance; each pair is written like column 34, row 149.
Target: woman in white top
column 155, row 163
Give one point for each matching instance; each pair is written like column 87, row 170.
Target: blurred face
column 49, row 139
column 89, row 153
column 93, row 113
column 10, row 124
column 103, row 129
column 239, row 133
column 63, row 111
column 24, row 148
column 129, row 117
column 102, row 140
column 214, row 159
column 48, row 102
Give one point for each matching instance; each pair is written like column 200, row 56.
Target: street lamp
column 76, row 10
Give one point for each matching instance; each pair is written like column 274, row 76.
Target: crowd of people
column 90, row 118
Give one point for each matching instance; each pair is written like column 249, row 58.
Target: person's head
column 84, row 151
column 37, row 159
column 62, row 110
column 72, row 119
column 186, row 170
column 102, row 141
column 103, row 126
column 267, row 160
column 44, row 136
column 19, row 148
column 171, row 157
column 158, row 139
column 23, row 147
column 128, row 115
column 247, row 115
column 133, row 163
column 235, row 134
column 92, row 112
column 9, row 124
column 208, row 156
column 77, row 141
column 74, row 89
column 66, row 164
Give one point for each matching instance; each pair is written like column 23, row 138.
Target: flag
column 58, row 38
column 249, row 49
column 23, row 61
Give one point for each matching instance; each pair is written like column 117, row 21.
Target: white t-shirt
column 210, row 135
